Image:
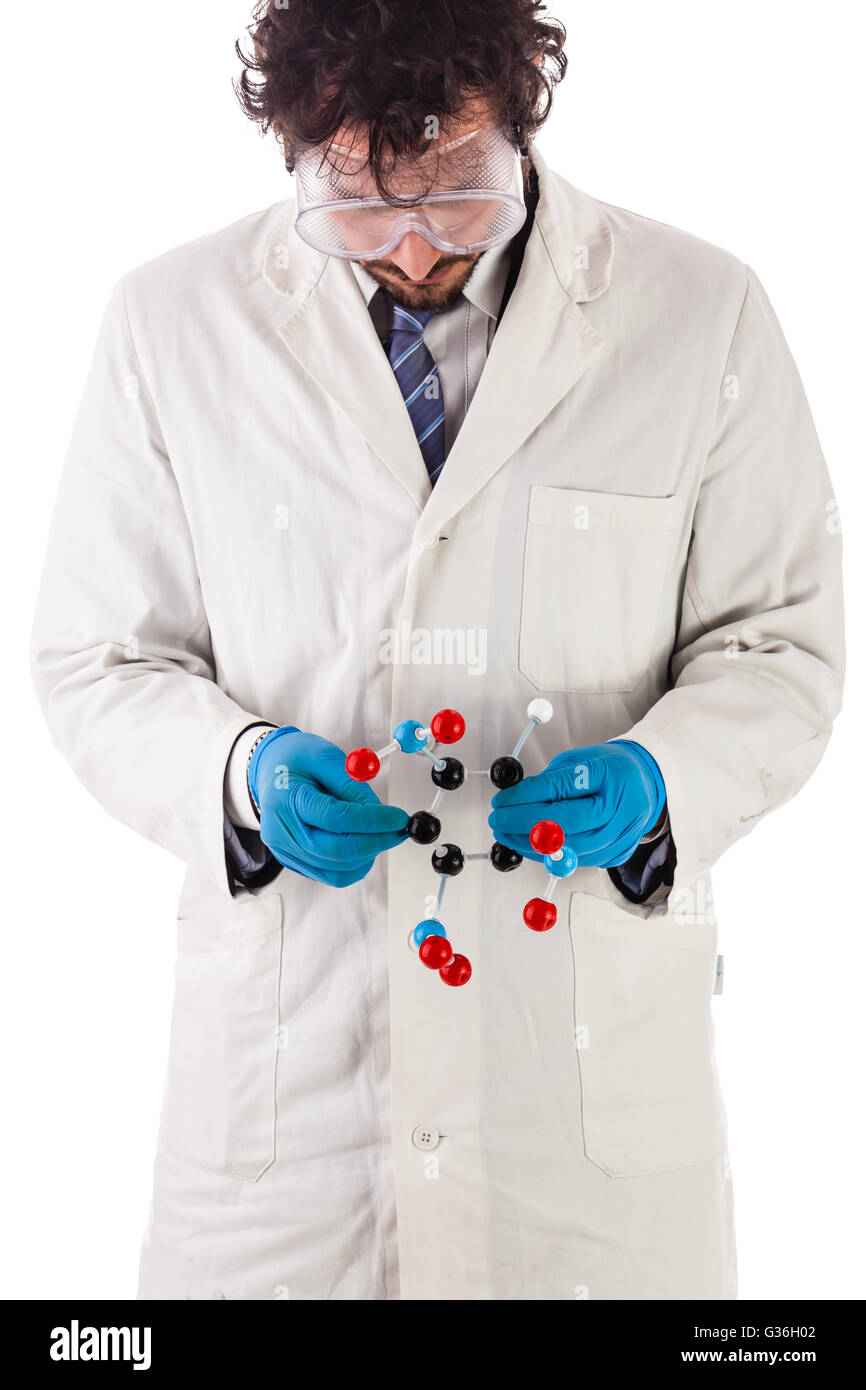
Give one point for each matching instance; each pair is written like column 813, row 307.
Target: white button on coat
column 425, row 1137
column 641, row 528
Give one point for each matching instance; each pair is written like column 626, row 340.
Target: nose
column 415, row 256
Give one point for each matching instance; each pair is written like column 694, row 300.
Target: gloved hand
column 605, row 797
column 315, row 819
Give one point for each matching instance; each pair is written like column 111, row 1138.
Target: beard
column 411, row 296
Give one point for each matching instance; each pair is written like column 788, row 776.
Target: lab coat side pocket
column 643, row 1029
column 219, row 1109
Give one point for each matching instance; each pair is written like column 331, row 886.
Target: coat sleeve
column 756, row 675
column 122, row 659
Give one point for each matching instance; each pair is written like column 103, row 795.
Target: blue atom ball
column 561, row 868
column 429, row 927
column 406, row 735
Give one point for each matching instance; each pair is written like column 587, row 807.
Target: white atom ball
column 540, row 710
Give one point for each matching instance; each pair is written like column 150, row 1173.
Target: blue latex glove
column 606, row 798
column 315, row 819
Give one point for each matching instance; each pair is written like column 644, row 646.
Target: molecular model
column 546, row 837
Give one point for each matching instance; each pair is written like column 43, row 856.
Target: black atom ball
column 506, row 772
column 448, row 859
column 450, row 777
column 424, row 828
column 503, row 858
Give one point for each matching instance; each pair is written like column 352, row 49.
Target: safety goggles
column 463, row 197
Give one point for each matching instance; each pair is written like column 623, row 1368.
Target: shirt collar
column 484, row 287
column 486, row 284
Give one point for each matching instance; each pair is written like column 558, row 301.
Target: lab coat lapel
column 543, row 345
column 330, row 332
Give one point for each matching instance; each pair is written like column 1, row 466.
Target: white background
column 740, row 122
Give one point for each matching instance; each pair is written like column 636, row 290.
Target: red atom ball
column 546, row 837
column 447, row 726
column 435, row 952
column 457, row 973
column 539, row 914
column 362, row 764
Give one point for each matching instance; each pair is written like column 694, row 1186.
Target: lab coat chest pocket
column 643, row 1031
column 219, row 1110
column 597, row 569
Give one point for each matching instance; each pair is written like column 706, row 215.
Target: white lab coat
column 635, row 521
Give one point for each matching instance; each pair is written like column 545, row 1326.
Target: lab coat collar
column 576, row 233
column 543, row 345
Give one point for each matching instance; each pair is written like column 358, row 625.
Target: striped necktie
column 418, row 378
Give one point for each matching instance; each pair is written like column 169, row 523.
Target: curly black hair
column 385, row 67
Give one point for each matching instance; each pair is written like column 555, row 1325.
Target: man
column 443, row 433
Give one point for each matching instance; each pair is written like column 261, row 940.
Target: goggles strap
column 520, row 140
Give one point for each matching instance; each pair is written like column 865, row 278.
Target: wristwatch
column 260, row 738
